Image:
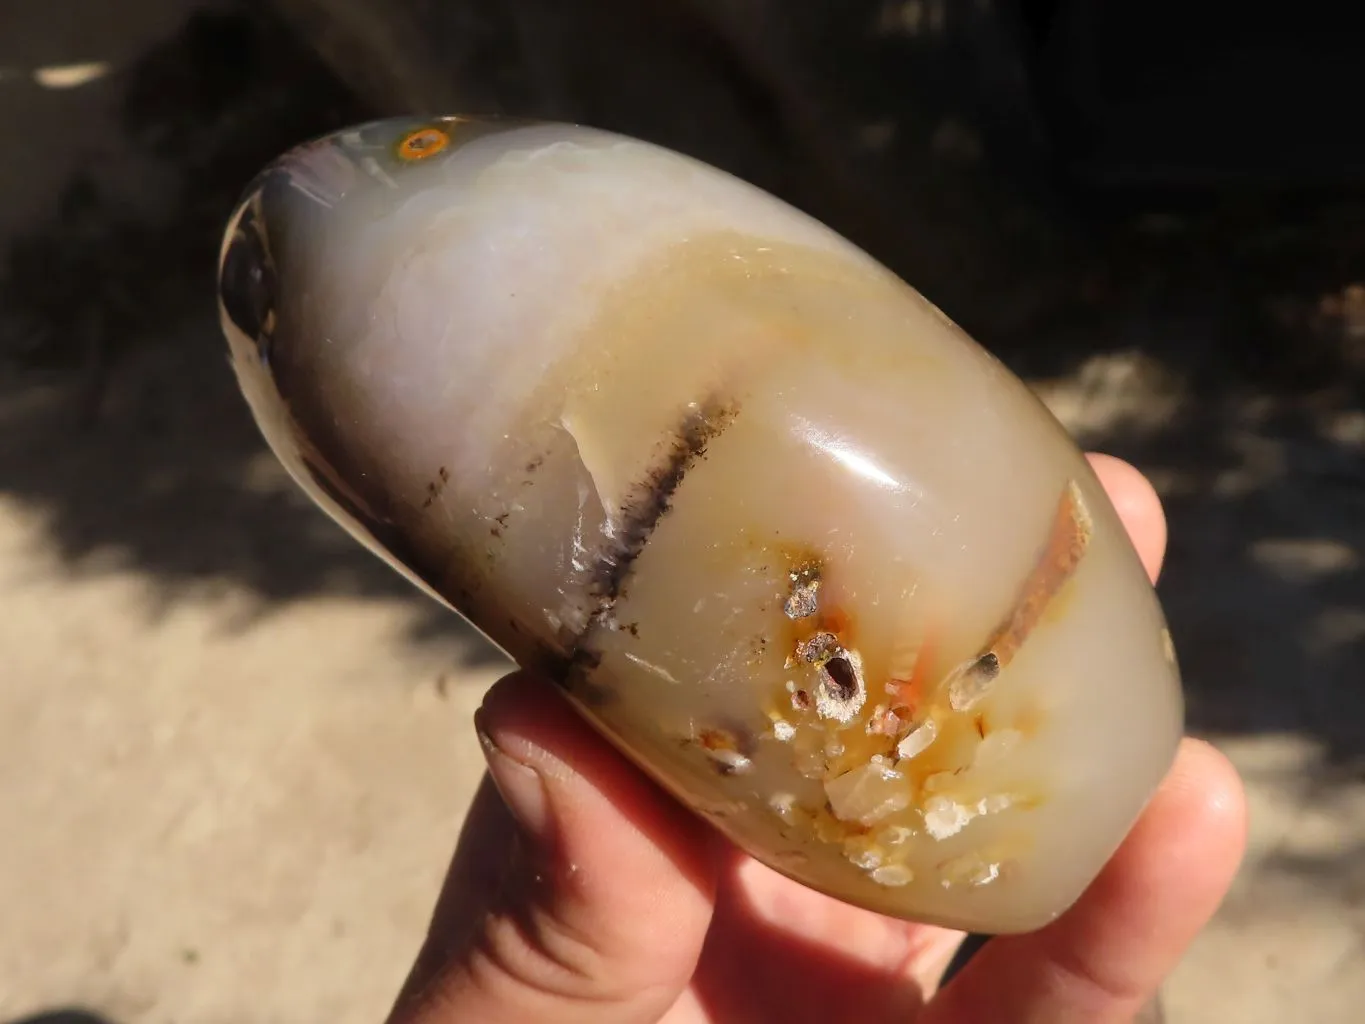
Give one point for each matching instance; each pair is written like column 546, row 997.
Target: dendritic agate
column 801, row 549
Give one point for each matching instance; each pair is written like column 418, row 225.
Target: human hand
column 581, row 894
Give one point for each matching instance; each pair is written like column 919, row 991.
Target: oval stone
column 803, row 551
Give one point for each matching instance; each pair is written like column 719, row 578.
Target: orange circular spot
column 422, row 143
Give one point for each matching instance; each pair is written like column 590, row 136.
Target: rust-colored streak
column 717, row 739
column 422, row 143
column 910, row 693
column 1072, row 529
column 839, row 622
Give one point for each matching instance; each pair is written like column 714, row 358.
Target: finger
column 1136, row 501
column 580, row 892
column 1106, row 956
column 780, row 951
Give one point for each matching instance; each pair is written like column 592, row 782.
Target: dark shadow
column 65, row 1016
column 119, row 417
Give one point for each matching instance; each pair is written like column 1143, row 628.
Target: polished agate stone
column 802, row 550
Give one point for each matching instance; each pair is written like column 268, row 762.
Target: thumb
column 578, row 892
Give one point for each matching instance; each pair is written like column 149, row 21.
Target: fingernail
column 522, row 789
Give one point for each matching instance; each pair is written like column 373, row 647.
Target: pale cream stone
column 794, row 543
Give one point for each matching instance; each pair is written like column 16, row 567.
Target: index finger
column 1138, row 506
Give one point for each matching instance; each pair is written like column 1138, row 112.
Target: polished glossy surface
column 800, row 548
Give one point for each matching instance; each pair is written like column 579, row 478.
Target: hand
column 580, row 894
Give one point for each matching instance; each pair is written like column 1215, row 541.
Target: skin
column 580, row 893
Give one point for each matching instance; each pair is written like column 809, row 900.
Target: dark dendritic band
column 651, row 500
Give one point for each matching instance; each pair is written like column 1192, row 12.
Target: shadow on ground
column 119, row 419
column 1218, row 342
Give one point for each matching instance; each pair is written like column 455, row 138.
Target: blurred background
column 235, row 749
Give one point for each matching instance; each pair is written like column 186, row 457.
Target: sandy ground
column 236, row 752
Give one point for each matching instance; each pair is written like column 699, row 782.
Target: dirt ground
column 236, row 749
